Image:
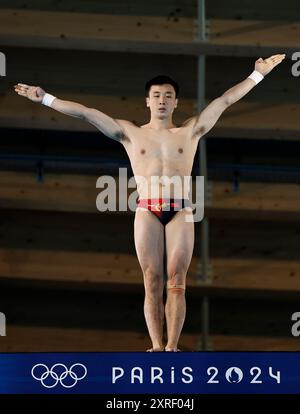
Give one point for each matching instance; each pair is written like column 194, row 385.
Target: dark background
column 69, row 277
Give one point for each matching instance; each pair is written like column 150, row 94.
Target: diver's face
column 162, row 100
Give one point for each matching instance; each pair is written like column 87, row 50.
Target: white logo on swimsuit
column 159, row 206
column 59, row 373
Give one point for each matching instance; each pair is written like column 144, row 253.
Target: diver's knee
column 176, row 288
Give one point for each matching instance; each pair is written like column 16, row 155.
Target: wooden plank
column 233, row 273
column 78, row 193
column 258, row 120
column 246, row 239
column 231, row 9
column 67, row 192
column 73, row 193
column 253, row 9
column 46, row 339
column 72, row 232
column 130, row 7
column 104, row 73
column 253, row 343
column 280, row 34
column 36, row 28
column 241, row 273
column 259, row 197
column 144, row 33
column 69, row 266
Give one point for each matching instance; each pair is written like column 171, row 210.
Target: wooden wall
column 231, row 9
column 52, row 241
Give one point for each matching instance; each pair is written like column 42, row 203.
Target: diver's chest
column 168, row 148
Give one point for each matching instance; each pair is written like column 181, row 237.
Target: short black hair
column 161, row 80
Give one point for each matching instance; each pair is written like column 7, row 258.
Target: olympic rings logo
column 59, row 373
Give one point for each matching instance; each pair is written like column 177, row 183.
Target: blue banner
column 150, row 373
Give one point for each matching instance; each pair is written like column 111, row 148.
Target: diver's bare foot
column 155, row 350
column 172, row 349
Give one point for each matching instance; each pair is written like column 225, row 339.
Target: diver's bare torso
column 164, row 153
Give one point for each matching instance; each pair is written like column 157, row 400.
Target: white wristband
column 256, row 76
column 48, row 99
